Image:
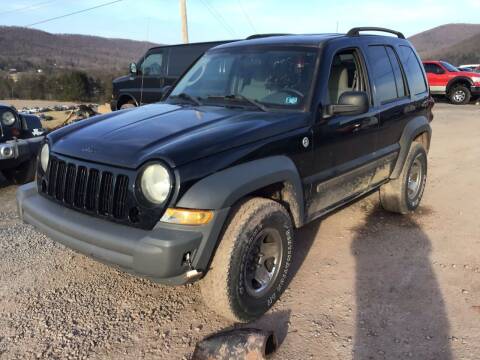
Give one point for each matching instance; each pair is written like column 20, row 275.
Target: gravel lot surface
column 367, row 285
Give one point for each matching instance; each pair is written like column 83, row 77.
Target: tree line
column 65, row 85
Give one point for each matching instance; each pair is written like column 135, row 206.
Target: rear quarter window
column 413, row 70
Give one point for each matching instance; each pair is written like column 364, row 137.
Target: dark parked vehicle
column 20, row 138
column 159, row 67
column 257, row 139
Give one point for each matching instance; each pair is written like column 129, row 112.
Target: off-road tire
column 394, row 194
column 224, row 287
column 22, row 174
column 459, row 95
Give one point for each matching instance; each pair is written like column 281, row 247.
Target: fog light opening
column 133, row 215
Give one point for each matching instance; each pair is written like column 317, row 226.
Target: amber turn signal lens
column 187, row 216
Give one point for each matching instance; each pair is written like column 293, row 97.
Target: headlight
column 44, row 157
column 155, row 183
column 8, row 118
column 476, row 79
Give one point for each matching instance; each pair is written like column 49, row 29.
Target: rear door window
column 413, row 70
column 382, row 74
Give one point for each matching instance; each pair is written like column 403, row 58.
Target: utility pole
column 183, row 15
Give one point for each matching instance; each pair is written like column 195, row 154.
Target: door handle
column 370, row 121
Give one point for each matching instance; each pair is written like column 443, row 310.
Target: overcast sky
column 159, row 20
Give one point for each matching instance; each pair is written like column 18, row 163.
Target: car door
column 436, row 78
column 150, row 77
column 343, row 144
column 400, row 92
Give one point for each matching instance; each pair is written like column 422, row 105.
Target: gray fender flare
column 414, row 127
column 224, row 188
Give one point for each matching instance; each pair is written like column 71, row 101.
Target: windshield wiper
column 239, row 97
column 187, row 97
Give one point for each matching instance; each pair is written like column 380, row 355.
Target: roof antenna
column 337, row 26
column 148, row 36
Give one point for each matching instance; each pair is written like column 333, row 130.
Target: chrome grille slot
column 60, row 181
column 80, row 187
column 92, row 189
column 52, row 176
column 105, row 194
column 120, row 197
column 70, row 184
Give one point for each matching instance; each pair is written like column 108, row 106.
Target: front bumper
column 157, row 254
column 14, row 152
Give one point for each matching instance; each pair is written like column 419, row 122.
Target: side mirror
column 165, row 91
column 133, row 68
column 440, row 71
column 350, row 103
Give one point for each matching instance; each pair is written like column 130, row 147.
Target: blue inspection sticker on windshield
column 291, row 100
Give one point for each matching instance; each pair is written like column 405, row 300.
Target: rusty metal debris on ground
column 77, row 114
column 246, row 343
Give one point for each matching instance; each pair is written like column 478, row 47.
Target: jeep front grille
column 87, row 188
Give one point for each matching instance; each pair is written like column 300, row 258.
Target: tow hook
column 192, row 274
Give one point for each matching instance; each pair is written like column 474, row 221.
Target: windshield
column 449, row 66
column 262, row 77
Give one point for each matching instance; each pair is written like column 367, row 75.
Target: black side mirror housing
column 350, row 103
column 133, row 68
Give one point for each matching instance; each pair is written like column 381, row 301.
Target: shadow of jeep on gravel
column 400, row 308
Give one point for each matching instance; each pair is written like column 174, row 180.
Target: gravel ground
column 367, row 285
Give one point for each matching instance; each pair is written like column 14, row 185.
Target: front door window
column 152, row 65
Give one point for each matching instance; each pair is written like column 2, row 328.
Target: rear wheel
column 249, row 270
column 459, row 95
column 404, row 194
column 22, row 174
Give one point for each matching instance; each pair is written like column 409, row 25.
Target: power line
column 34, row 6
column 73, row 13
column 219, row 17
column 247, row 16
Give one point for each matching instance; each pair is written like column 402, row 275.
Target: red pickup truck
column 446, row 79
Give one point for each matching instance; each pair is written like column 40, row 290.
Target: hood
column 171, row 133
column 471, row 74
column 121, row 79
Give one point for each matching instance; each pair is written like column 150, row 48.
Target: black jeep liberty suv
column 258, row 138
column 21, row 136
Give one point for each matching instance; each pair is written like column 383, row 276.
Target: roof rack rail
column 259, row 36
column 356, row 31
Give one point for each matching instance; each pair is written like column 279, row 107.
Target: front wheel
column 128, row 105
column 459, row 95
column 404, row 194
column 250, row 267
